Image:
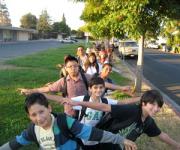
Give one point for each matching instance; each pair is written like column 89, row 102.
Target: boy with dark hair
column 90, row 116
column 134, row 119
column 45, row 129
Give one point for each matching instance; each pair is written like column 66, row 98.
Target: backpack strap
column 84, row 80
column 62, row 124
column 97, row 67
column 64, row 92
column 105, row 101
column 83, row 110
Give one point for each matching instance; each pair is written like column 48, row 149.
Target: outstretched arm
column 165, row 138
column 129, row 100
column 93, row 105
column 124, row 89
column 56, row 98
column 29, row 91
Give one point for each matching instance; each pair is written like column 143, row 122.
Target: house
column 8, row 33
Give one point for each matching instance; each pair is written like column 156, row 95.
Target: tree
column 137, row 19
column 28, row 21
column 43, row 25
column 4, row 15
column 171, row 31
column 61, row 27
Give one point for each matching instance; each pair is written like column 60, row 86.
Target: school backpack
column 82, row 113
column 64, row 92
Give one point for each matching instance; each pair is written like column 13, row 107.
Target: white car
column 128, row 48
column 66, row 40
column 153, row 45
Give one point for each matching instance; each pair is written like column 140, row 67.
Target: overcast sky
column 55, row 8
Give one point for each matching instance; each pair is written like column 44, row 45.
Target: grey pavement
column 15, row 49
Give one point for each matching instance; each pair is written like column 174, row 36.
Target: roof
column 18, row 29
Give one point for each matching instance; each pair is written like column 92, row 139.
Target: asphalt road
column 163, row 71
column 16, row 49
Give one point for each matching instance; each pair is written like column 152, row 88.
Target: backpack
column 82, row 113
column 64, row 92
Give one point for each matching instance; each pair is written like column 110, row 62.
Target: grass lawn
column 36, row 70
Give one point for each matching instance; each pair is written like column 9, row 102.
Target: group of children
column 92, row 115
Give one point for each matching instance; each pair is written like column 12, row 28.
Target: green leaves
column 108, row 18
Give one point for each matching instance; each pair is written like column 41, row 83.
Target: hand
column 126, row 88
column 67, row 101
column 64, row 101
column 129, row 145
column 24, row 91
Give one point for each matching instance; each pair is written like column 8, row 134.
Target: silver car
column 128, row 48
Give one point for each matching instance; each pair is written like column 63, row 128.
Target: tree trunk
column 139, row 71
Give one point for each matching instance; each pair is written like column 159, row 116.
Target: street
column 163, row 71
column 12, row 50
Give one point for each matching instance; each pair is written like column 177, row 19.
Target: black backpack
column 82, row 113
column 64, row 92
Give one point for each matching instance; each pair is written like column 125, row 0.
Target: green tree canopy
column 43, row 25
column 61, row 27
column 135, row 18
column 28, row 21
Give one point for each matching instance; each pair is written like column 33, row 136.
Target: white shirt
column 45, row 138
column 92, row 116
column 91, row 70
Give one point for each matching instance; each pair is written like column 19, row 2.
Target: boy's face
column 97, row 90
column 106, row 71
column 150, row 109
column 40, row 115
column 72, row 68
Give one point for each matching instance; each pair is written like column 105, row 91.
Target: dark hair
column 106, row 64
column 88, row 63
column 96, row 81
column 35, row 98
column 69, row 58
column 151, row 97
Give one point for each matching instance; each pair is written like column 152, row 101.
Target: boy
column 75, row 84
column 45, row 129
column 92, row 117
column 137, row 119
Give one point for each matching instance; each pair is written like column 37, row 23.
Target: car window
column 130, row 44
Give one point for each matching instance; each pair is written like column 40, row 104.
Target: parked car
column 128, row 48
column 66, row 40
column 73, row 39
column 153, row 45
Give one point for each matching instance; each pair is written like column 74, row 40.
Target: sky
column 55, row 9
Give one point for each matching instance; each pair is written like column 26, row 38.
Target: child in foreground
column 46, row 133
